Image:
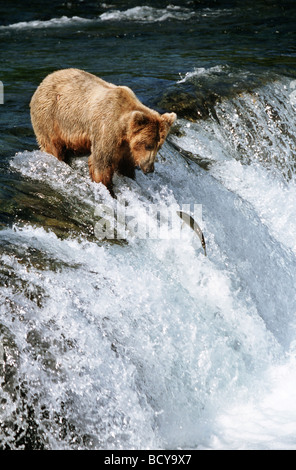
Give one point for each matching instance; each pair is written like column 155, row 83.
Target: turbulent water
column 140, row 341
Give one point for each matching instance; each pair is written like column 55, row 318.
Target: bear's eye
column 149, row 147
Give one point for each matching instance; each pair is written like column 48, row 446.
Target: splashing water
column 144, row 342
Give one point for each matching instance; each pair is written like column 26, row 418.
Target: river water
column 140, row 341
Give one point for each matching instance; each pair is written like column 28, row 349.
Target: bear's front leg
column 126, row 166
column 125, row 161
column 101, row 175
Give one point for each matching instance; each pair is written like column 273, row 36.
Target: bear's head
column 146, row 134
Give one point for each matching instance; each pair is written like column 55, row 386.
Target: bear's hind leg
column 55, row 148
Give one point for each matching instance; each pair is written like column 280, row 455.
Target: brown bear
column 73, row 110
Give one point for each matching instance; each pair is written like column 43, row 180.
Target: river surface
column 138, row 340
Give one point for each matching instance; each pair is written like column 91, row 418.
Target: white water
column 140, row 13
column 143, row 14
column 202, row 71
column 52, row 23
column 149, row 14
column 151, row 344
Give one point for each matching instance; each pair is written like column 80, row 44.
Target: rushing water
column 142, row 342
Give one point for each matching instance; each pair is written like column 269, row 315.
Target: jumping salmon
column 189, row 220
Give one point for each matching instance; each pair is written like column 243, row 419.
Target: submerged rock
column 190, row 105
column 194, row 97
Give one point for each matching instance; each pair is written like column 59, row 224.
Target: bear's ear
column 169, row 118
column 138, row 120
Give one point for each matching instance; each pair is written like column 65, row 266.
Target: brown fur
column 75, row 111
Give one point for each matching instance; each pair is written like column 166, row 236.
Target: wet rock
column 189, row 103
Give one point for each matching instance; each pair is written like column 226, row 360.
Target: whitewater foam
column 139, row 13
column 142, row 14
column 52, row 23
column 127, row 359
column 149, row 14
column 202, row 71
column 252, row 153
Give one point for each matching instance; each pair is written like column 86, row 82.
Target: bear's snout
column 147, row 168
